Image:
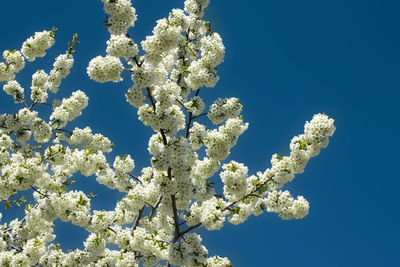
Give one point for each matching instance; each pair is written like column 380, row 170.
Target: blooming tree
column 165, row 202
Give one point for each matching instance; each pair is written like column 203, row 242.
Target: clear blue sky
column 285, row 60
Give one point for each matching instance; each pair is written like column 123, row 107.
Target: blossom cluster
column 15, row 61
column 121, row 46
column 69, row 109
column 225, row 108
column 104, row 69
column 122, row 16
column 37, row 45
column 13, row 88
column 164, row 202
column 61, row 69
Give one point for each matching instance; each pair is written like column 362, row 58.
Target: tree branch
column 176, row 221
column 189, row 229
column 151, row 99
column 138, row 217
column 153, row 210
column 130, row 174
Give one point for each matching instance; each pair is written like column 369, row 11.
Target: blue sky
column 285, row 60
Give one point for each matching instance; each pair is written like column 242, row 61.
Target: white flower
column 7, row 72
column 212, row 50
column 135, row 96
column 39, row 86
column 146, row 75
column 166, row 37
column 14, row 58
column 122, row 16
column 283, row 203
column 234, row 179
column 37, row 45
column 212, row 215
column 41, row 131
column 319, row 129
column 14, row 89
column 121, row 46
column 196, row 6
column 69, row 109
column 200, row 75
column 195, row 105
column 90, row 141
column 217, row 261
column 224, row 108
column 104, row 69
column 125, row 164
column 282, row 169
column 61, row 69
column 198, row 135
column 95, row 243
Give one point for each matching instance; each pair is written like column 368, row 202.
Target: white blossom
column 223, row 109
column 61, row 69
column 90, row 141
column 122, row 15
column 121, row 46
column 234, row 179
column 125, row 164
column 104, row 69
column 39, row 86
column 13, row 88
column 135, row 96
column 41, row 131
column 37, row 45
column 14, row 58
column 69, row 109
column 195, row 105
column 7, row 72
column 284, row 204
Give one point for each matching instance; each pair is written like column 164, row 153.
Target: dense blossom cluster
column 61, row 69
column 37, row 45
column 152, row 223
column 39, row 86
column 105, row 69
column 69, row 109
column 15, row 62
column 121, row 46
column 14, row 89
column 122, row 16
column 225, row 108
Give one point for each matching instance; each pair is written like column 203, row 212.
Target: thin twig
column 130, row 174
column 189, row 229
column 112, row 230
column 33, row 104
column 153, row 210
column 63, row 130
column 128, row 70
column 138, row 217
column 151, row 99
column 37, row 190
column 203, row 114
column 180, row 103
